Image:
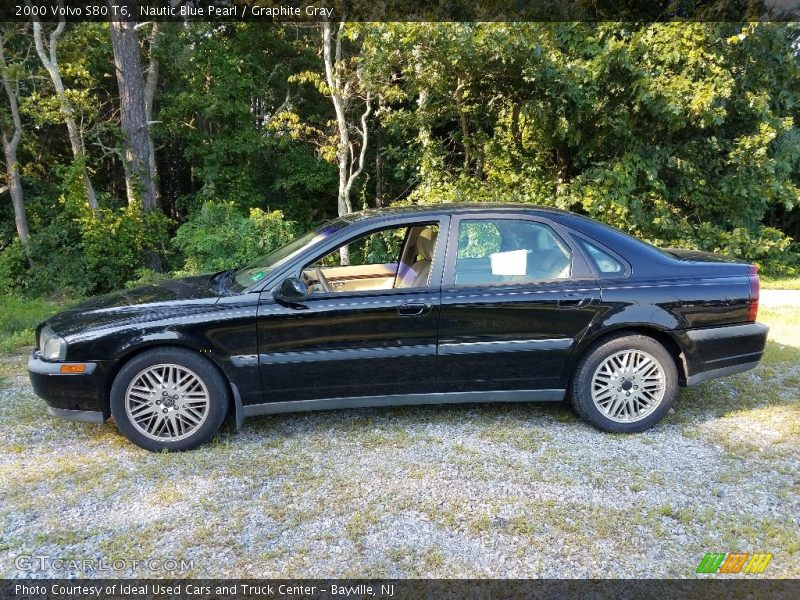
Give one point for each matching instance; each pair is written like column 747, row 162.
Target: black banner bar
column 393, row 589
column 268, row 11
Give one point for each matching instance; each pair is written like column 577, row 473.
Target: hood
column 126, row 305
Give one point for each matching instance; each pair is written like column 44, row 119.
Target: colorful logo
column 733, row 562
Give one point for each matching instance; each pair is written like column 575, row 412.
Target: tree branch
column 326, row 53
column 12, row 97
column 364, row 133
column 339, row 53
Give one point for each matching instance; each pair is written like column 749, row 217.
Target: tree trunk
column 341, row 92
column 465, row 141
column 424, row 135
column 50, row 62
column 10, row 145
column 378, row 166
column 340, row 96
column 150, row 84
column 14, row 183
column 133, row 116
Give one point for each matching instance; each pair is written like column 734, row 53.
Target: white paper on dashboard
column 514, row 262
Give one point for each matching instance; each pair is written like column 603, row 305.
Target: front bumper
column 719, row 351
column 76, row 396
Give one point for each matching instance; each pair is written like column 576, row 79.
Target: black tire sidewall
column 219, row 396
column 582, row 382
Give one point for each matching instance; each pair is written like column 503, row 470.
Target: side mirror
column 291, row 289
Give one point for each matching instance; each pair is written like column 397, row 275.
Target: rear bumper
column 76, row 396
column 719, row 351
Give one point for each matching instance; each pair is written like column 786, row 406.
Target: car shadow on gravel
column 354, row 421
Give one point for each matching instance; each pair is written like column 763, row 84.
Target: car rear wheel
column 169, row 399
column 625, row 384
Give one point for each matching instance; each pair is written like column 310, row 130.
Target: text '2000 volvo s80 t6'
column 408, row 305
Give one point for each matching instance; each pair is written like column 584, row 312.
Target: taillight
column 755, row 291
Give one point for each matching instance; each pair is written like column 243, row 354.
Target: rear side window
column 602, row 260
column 508, row 250
column 478, row 239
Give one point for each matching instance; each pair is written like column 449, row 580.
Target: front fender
column 219, row 331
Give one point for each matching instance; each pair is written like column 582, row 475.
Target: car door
column 515, row 299
column 370, row 334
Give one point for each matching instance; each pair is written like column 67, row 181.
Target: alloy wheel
column 628, row 385
column 167, row 402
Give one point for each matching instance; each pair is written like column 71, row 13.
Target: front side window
column 509, row 251
column 265, row 265
column 397, row 257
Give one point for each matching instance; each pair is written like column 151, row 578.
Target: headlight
column 52, row 346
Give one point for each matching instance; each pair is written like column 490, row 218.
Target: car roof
column 453, row 208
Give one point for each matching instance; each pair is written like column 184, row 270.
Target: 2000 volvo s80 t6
column 409, row 305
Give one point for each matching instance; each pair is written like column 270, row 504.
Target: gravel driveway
column 454, row 491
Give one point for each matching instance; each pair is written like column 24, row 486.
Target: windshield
column 257, row 270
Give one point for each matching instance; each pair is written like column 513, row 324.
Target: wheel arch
column 234, row 404
column 662, row 336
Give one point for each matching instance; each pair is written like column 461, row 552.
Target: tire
column 169, row 399
column 624, row 384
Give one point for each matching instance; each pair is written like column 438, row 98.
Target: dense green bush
column 776, row 254
column 79, row 253
column 59, row 263
column 219, row 236
column 13, row 267
column 117, row 243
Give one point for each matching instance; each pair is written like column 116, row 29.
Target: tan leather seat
column 418, row 275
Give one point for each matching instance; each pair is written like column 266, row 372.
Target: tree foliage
column 219, row 237
column 684, row 134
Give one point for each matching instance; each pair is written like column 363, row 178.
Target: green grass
column 18, row 320
column 784, row 330
column 780, row 283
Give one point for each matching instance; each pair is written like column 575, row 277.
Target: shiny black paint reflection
column 505, row 314
column 217, row 327
column 359, row 344
column 347, row 345
column 74, row 392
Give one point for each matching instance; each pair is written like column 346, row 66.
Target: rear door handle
column 577, row 300
column 414, row 309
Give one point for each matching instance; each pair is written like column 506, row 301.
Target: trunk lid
column 701, row 256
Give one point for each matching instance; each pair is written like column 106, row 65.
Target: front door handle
column 414, row 309
column 573, row 301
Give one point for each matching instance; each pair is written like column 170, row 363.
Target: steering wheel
column 323, row 281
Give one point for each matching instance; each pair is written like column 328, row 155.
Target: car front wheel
column 625, row 384
column 169, row 399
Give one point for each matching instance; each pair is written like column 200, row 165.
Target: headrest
column 426, row 242
column 542, row 241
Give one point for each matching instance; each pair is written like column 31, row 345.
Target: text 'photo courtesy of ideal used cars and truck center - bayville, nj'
column 347, row 299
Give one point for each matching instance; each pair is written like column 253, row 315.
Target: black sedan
column 408, row 305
